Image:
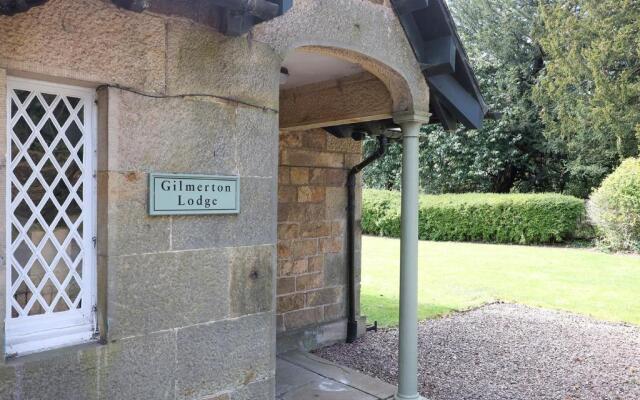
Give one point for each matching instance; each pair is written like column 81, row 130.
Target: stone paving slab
column 303, row 376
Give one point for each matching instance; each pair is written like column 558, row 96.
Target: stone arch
column 357, row 31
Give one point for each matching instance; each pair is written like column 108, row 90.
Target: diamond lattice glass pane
column 61, row 271
column 36, row 273
column 73, row 101
column 15, row 274
column 49, row 132
column 49, row 252
column 73, row 250
column 22, row 213
column 14, row 150
column 22, row 130
column 49, row 98
column 35, row 110
column 22, row 171
column 61, row 153
column 47, row 169
column 61, row 231
column 49, row 172
column 14, row 108
column 36, row 233
column 49, row 212
column 73, row 211
column 22, row 94
column 74, row 134
column 36, row 151
column 61, row 306
column 73, row 172
column 36, row 191
column 61, row 112
column 22, row 294
column 22, row 254
column 73, row 290
column 61, row 192
column 49, row 292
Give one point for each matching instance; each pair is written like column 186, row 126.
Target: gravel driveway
column 510, row 352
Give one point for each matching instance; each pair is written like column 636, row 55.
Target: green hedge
column 615, row 207
column 496, row 218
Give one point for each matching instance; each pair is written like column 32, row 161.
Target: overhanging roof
column 455, row 93
column 230, row 17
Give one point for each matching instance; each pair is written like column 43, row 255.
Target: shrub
column 497, row 218
column 615, row 207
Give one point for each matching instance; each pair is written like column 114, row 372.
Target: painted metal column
column 408, row 352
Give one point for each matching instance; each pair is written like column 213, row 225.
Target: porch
column 303, row 376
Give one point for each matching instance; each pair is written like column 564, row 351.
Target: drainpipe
column 408, row 338
column 352, row 323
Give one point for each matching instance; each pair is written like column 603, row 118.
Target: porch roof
column 455, row 93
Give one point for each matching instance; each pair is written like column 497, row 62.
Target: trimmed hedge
column 479, row 217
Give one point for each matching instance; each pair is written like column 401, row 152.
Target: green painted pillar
column 408, row 352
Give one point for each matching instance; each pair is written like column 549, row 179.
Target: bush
column 496, row 218
column 615, row 207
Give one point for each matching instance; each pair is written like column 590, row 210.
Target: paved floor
column 303, row 376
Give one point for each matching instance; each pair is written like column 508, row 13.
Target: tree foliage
column 590, row 89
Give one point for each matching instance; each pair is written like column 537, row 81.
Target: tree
column 589, row 92
column 505, row 155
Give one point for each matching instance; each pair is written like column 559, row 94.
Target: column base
column 401, row 397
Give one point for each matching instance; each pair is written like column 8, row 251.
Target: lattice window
column 50, row 211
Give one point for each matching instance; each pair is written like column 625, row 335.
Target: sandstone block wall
column 186, row 304
column 312, row 264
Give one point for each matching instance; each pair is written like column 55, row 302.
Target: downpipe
column 352, row 323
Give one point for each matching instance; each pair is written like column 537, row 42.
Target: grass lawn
column 458, row 276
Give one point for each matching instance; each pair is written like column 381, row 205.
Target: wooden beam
column 349, row 100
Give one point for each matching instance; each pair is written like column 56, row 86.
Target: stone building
column 114, row 292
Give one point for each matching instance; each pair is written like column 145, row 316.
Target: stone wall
column 186, row 304
column 312, row 264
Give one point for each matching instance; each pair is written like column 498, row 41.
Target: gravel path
column 509, row 352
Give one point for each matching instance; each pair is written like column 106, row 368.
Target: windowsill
column 52, row 353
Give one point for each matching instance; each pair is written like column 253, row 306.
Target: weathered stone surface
column 290, row 302
column 331, row 245
column 355, row 25
column 129, row 228
column 343, row 145
column 287, row 194
column 301, row 318
column 251, row 288
column 66, row 374
column 141, row 368
column 309, row 281
column 315, row 139
column 194, row 135
column 304, row 247
column 262, row 390
column 257, row 142
column 7, row 382
column 315, row 229
column 256, row 223
column 312, row 158
column 201, row 60
column 324, row 296
column 335, row 269
column 333, row 312
column 311, row 194
column 218, row 356
column 152, row 292
column 288, row 231
column 299, row 175
column 94, row 42
column 286, row 285
column 336, row 203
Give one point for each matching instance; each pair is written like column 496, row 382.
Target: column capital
column 406, row 117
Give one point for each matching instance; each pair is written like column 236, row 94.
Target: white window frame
column 30, row 334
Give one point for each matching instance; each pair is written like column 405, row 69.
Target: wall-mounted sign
column 172, row 194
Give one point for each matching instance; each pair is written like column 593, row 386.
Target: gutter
column 352, row 323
